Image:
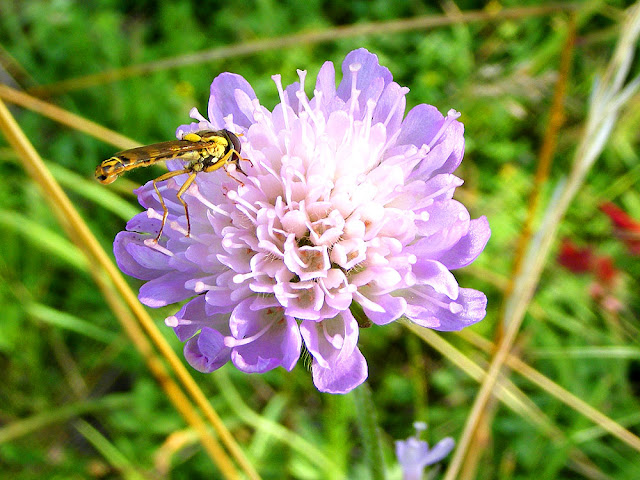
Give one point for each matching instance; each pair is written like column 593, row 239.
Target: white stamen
column 285, row 110
column 233, row 196
column 354, row 68
column 194, row 191
column 413, row 154
column 318, row 97
column 455, row 308
column 152, row 243
column 173, row 321
column 451, row 116
column 302, row 98
column 442, row 191
column 200, row 287
column 302, row 75
column 153, row 214
column 241, row 277
column 337, row 338
column 445, row 305
column 228, row 123
column 291, row 173
column 401, row 94
column 366, row 131
column 229, row 244
column 234, row 342
column 174, row 225
column 196, row 115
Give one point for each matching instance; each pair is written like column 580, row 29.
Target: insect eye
column 235, row 141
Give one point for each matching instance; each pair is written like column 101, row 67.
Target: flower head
column 414, row 454
column 345, row 200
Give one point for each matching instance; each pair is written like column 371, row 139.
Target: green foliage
column 60, row 343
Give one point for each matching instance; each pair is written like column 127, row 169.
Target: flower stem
column 367, row 421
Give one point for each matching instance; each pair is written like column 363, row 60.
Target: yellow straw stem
column 81, row 234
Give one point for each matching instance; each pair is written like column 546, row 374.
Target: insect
column 203, row 151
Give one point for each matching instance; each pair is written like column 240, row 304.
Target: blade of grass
column 511, row 396
column 105, row 198
column 91, row 190
column 557, row 391
column 590, row 352
column 597, row 431
column 297, row 443
column 63, row 320
column 20, row 428
column 180, row 401
column 114, row 457
column 43, row 238
column 367, row 422
column 574, row 402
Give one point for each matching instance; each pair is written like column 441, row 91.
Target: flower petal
column 169, row 288
column 207, row 352
column 469, row 246
column 136, row 259
column 390, row 108
column 344, row 374
column 420, row 125
column 433, row 310
column 325, row 86
column 381, row 309
column 437, row 276
column 338, row 365
column 370, row 78
column 276, row 339
column 195, row 315
column 439, row 451
column 223, row 100
column 446, row 223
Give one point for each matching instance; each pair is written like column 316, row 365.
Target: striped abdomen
column 121, row 162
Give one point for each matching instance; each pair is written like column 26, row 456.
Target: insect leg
column 183, row 189
column 224, row 161
column 165, row 211
column 245, row 159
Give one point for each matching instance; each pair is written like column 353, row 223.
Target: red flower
column 584, row 260
column 605, row 271
column 626, row 228
column 575, row 259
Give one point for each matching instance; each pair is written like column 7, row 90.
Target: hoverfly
column 203, row 151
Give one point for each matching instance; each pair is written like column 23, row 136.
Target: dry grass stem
column 308, row 38
column 603, row 111
column 67, row 118
column 80, row 233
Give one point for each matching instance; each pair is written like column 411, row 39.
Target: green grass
column 80, row 396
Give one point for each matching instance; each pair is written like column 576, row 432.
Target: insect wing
column 157, row 152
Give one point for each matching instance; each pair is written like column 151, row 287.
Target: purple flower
column 345, row 200
column 414, row 454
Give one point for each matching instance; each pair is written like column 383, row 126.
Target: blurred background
column 77, row 400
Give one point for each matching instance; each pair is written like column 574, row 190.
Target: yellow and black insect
column 204, row 151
